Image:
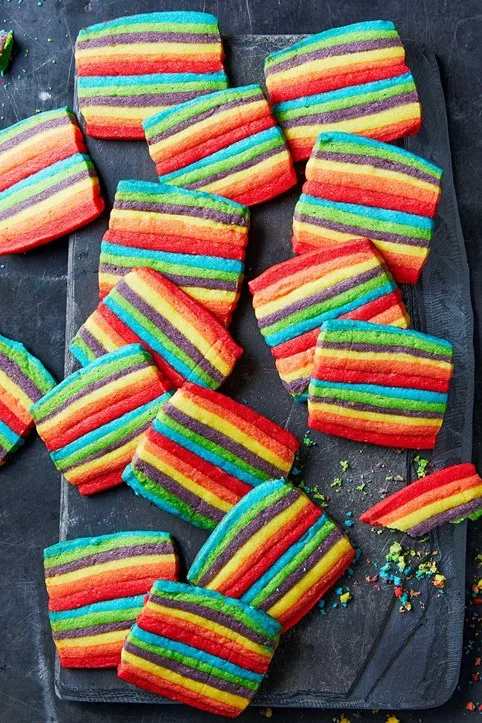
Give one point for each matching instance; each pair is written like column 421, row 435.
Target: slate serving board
column 367, row 655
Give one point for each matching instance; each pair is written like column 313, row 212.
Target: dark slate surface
column 32, row 305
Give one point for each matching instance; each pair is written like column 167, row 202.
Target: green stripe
column 36, row 120
column 364, row 223
column 78, row 553
column 386, row 339
column 160, row 88
column 167, row 267
column 100, row 618
column 347, row 102
column 175, row 198
column 170, row 27
column 27, row 367
column 377, row 400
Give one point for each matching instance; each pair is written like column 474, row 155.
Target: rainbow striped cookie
column 195, row 239
column 276, row 551
column 450, row 495
column 92, row 422
column 379, row 384
column 352, row 78
column 204, row 451
column 186, row 341
column 226, row 143
column 23, row 381
column 114, row 106
column 161, row 42
column 132, row 67
column 356, row 187
column 200, row 648
column 6, row 47
column 48, row 184
column 292, row 299
column 91, row 569
column 96, row 588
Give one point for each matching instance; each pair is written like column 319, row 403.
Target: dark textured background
column 33, row 288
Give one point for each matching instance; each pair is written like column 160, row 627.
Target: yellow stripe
column 179, row 321
column 235, row 179
column 133, row 563
column 208, row 691
column 109, row 391
column 256, row 542
column 135, row 113
column 76, row 475
column 110, row 343
column 435, row 508
column 321, row 569
column 49, row 208
column 207, row 295
column 220, row 424
column 197, row 489
column 303, row 231
column 300, row 372
column 365, row 169
column 318, row 408
column 200, row 622
column 383, row 355
column 108, row 281
column 19, row 150
column 217, row 121
column 138, row 50
column 16, row 392
column 114, row 636
column 156, row 219
column 324, row 281
column 357, row 125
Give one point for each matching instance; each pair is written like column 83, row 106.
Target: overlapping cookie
column 195, row 239
column 450, row 495
column 92, row 422
column 48, row 184
column 135, row 66
column 23, row 381
column 205, row 451
column 199, row 647
column 352, row 78
column 357, row 187
column 226, row 143
column 96, row 588
column 275, row 550
column 292, row 299
column 379, row 384
column 6, row 47
column 185, row 340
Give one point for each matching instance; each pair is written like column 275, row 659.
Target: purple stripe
column 146, row 37
column 334, row 51
column 256, row 523
column 385, row 348
column 384, row 163
column 180, row 280
column 297, row 386
column 373, row 408
column 448, row 516
column 156, row 100
column 355, row 111
column 14, row 372
column 98, row 384
column 90, row 341
column 175, row 335
column 94, row 630
column 320, row 296
column 176, row 489
column 117, row 553
column 239, row 167
column 215, row 615
column 48, row 193
column 203, row 115
column 221, row 440
column 40, row 127
column 189, row 672
column 198, row 211
column 360, row 231
column 298, row 574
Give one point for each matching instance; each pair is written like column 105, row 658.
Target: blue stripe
column 181, row 16
column 379, row 214
column 205, row 453
column 94, row 81
column 164, row 189
column 303, row 326
column 351, row 91
column 78, row 159
column 129, row 476
column 122, row 603
column 195, row 260
column 10, row 435
column 395, row 392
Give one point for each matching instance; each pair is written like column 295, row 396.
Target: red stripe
column 122, row 65
column 177, row 244
column 384, row 440
column 106, row 591
column 266, row 187
column 365, row 376
column 15, row 423
column 377, row 306
column 106, row 131
column 102, row 481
